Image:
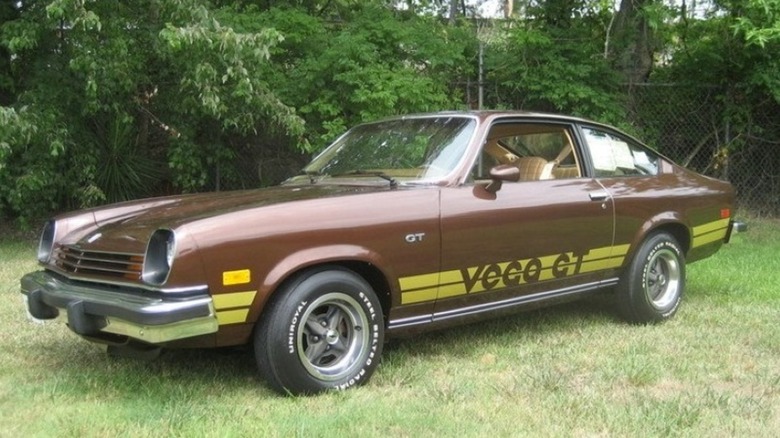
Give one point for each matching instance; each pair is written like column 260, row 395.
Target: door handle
column 600, row 195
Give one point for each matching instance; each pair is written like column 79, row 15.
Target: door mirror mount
column 501, row 173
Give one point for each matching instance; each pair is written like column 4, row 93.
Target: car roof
column 487, row 115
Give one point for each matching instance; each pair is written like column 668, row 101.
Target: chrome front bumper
column 93, row 309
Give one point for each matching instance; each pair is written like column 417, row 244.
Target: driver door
column 549, row 234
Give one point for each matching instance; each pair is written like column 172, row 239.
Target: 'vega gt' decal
column 710, row 232
column 495, row 276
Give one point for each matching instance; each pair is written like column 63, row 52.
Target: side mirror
column 501, row 173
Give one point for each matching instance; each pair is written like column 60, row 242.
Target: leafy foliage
column 374, row 63
column 116, row 86
column 538, row 70
column 106, row 100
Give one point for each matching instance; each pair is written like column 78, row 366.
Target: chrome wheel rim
column 662, row 277
column 333, row 337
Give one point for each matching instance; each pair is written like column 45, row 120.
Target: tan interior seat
column 533, row 168
column 565, row 172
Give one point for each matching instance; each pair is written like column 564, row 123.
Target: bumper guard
column 735, row 227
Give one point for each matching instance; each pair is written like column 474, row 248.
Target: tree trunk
column 7, row 13
column 631, row 47
column 453, row 11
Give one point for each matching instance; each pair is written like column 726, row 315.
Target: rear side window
column 613, row 155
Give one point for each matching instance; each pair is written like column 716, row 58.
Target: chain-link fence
column 700, row 129
column 695, row 126
column 255, row 164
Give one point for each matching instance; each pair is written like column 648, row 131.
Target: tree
column 376, row 62
column 112, row 96
column 549, row 60
column 633, row 47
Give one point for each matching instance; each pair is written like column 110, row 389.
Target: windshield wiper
column 312, row 175
column 359, row 172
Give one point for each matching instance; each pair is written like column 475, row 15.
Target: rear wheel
column 652, row 287
column 322, row 331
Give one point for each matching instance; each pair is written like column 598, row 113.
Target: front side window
column 613, row 155
column 540, row 150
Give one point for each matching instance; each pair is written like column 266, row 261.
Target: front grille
column 107, row 264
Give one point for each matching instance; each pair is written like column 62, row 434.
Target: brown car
column 402, row 225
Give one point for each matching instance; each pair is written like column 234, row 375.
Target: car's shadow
column 537, row 322
column 235, row 367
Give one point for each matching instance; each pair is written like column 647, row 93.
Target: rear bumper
column 93, row 310
column 735, row 227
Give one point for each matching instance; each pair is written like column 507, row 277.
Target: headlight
column 159, row 257
column 46, row 243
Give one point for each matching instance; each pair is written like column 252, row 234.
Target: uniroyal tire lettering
column 293, row 324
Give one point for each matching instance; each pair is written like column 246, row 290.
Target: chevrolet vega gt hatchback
column 401, row 225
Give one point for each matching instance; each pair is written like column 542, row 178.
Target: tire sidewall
column 636, row 305
column 287, row 319
column 668, row 310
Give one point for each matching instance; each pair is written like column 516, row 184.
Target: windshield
column 404, row 149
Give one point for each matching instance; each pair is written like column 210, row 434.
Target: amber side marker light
column 725, row 213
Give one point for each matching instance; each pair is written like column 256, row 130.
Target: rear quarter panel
column 679, row 201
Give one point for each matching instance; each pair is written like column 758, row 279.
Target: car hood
column 129, row 225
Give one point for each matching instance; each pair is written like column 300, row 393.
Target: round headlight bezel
column 46, row 242
column 159, row 257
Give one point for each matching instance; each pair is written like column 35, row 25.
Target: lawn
column 572, row 370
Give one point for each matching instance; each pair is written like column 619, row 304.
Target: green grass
column 572, row 370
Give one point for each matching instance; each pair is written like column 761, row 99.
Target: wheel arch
column 680, row 232
column 669, row 222
column 290, row 271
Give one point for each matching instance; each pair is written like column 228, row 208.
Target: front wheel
column 652, row 287
column 322, row 331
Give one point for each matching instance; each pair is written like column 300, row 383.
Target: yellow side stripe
column 448, row 277
column 711, row 226
column 452, row 290
column 419, row 296
column 232, row 316
column 419, row 281
column 709, row 237
column 710, row 232
column 235, row 299
column 600, row 265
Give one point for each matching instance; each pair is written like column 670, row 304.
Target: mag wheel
column 652, row 287
column 322, row 331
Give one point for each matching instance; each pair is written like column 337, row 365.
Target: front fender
column 309, row 257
